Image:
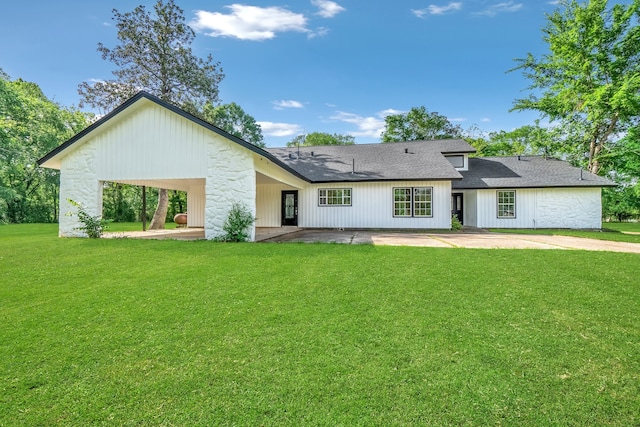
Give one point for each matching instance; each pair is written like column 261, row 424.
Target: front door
column 290, row 207
column 457, row 206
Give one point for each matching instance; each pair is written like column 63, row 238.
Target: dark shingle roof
column 528, row 172
column 415, row 160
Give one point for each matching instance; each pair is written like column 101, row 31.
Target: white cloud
column 319, row 32
column 432, row 9
column 485, row 120
column 367, row 126
column 554, row 2
column 458, row 119
column 328, row 9
column 390, row 112
column 249, row 22
column 501, row 7
column 280, row 129
column 282, row 104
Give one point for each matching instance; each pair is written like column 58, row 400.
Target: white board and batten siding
column 538, row 208
column 152, row 143
column 269, row 204
column 372, row 207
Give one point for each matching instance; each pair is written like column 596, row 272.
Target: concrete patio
column 262, row 233
column 467, row 238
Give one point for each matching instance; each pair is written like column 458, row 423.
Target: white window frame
column 338, row 195
column 502, row 206
column 412, row 205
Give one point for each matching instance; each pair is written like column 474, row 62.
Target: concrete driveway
column 477, row 239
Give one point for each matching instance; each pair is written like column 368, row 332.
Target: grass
column 133, row 332
column 614, row 231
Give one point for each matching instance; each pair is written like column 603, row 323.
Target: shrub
column 236, row 226
column 456, row 225
column 93, row 226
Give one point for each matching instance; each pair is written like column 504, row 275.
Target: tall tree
column 234, row 120
column 30, row 126
column 321, row 138
column 590, row 78
column 155, row 55
column 419, row 124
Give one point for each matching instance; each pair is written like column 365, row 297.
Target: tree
column 321, row 138
column 419, row 124
column 154, row 54
column 590, row 79
column 623, row 202
column 234, row 120
column 528, row 140
column 30, row 126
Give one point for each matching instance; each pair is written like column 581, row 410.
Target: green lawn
column 138, row 332
column 610, row 231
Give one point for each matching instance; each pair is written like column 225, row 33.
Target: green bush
column 456, row 225
column 93, row 226
column 236, row 226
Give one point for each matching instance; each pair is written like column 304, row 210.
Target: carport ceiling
column 169, row 184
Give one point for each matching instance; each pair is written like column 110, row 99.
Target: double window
column 506, row 204
column 334, row 197
column 412, row 201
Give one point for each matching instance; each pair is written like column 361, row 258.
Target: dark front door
column 290, row 208
column 457, row 206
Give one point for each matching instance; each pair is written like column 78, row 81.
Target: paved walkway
column 469, row 238
column 457, row 240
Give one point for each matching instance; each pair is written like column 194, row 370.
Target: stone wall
column 79, row 183
column 231, row 178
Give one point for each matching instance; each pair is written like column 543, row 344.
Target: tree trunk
column 159, row 217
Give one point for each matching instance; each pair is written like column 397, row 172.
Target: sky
column 302, row 66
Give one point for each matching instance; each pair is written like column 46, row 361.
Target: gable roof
column 400, row 161
column 52, row 159
column 526, row 172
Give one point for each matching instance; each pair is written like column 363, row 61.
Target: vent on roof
column 406, row 151
column 312, row 154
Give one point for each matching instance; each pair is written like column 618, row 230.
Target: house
column 410, row 185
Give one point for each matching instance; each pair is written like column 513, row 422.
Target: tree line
column 586, row 89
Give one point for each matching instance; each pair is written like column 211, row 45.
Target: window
column 456, row 161
column 412, row 201
column 507, row 204
column 334, row 197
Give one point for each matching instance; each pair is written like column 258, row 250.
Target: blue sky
column 309, row 65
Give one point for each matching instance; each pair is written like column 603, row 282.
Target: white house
column 410, row 185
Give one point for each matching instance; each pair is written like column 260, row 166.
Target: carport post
column 144, row 208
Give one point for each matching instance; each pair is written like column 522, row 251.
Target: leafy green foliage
column 92, row 225
column 233, row 119
column 30, row 126
column 590, row 79
column 456, row 225
column 236, row 226
column 321, row 138
column 200, row 333
column 419, row 124
column 155, row 55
